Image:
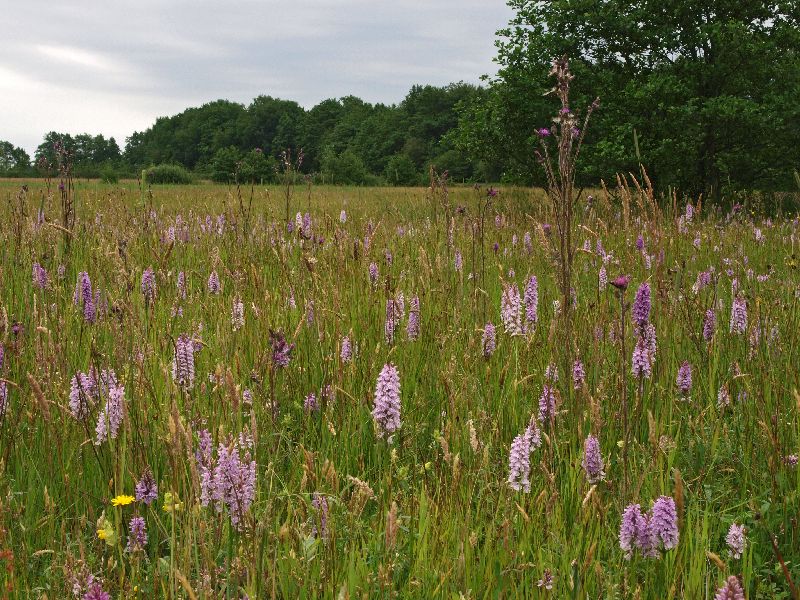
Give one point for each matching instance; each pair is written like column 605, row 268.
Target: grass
column 430, row 514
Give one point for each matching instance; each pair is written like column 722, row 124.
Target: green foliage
column 168, row 174
column 400, row 170
column 108, row 174
column 345, row 168
column 691, row 78
column 14, row 161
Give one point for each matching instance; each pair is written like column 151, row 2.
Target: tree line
column 701, row 94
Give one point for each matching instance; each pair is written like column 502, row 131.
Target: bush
column 345, row 168
column 108, row 175
column 174, row 174
column 400, row 170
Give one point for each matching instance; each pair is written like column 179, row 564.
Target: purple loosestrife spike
column 489, row 340
column 111, row 416
column 346, row 353
column 95, row 592
column 732, row 590
column 578, row 374
column 592, row 460
column 386, row 411
column 39, row 276
column 709, row 325
column 736, row 540
column 213, row 283
column 137, row 535
column 149, row 286
column 146, row 488
column 684, row 379
column 519, row 457
column 510, row 310
column 412, row 328
column 547, row 404
column 640, row 313
column 664, row 521
column 738, row 323
column 531, row 303
column 281, row 349
column 183, row 362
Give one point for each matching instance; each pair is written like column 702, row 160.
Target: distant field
column 256, row 369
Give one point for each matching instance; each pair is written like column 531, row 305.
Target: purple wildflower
column 137, row 535
column 489, row 340
column 233, row 482
column 146, row 488
column 510, row 309
column 738, row 323
column 149, row 286
column 621, row 282
column 96, row 592
column 709, row 325
column 237, row 314
column 684, row 379
column 602, row 279
column 3, row 398
column 546, row 581
column 183, row 362
column 391, row 321
column 386, row 411
column 213, row 283
column 458, row 262
column 736, row 540
column 732, row 590
column 519, row 457
column 373, row 274
column 592, row 460
column 320, row 504
column 39, row 276
column 181, row 285
column 412, row 328
column 664, row 521
column 281, row 349
column 547, row 404
column 81, row 391
column 531, row 303
column 641, row 365
column 111, row 416
column 631, row 525
column 641, row 306
column 311, row 404
column 346, row 353
column 578, row 374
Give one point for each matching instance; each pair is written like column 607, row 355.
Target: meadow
column 377, row 398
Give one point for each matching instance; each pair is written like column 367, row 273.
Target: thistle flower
column 489, row 340
column 346, row 353
column 578, row 374
column 736, row 540
column 709, row 325
column 183, row 362
column 592, row 460
column 237, row 314
column 213, row 283
column 519, row 457
column 137, row 535
column 281, row 349
column 39, row 276
column 640, row 313
column 386, row 411
column 738, row 323
column 412, row 328
column 531, row 302
column 664, row 521
column 149, row 286
column 684, row 379
column 146, row 488
column 510, row 310
column 111, row 416
column 547, row 404
column 732, row 590
column 621, row 282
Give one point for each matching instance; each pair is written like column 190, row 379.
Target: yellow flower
column 122, row 500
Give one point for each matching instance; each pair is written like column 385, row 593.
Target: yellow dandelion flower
column 122, row 500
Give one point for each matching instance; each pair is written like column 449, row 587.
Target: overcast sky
column 112, row 67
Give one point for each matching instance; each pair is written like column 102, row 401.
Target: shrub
column 174, row 174
column 108, row 175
